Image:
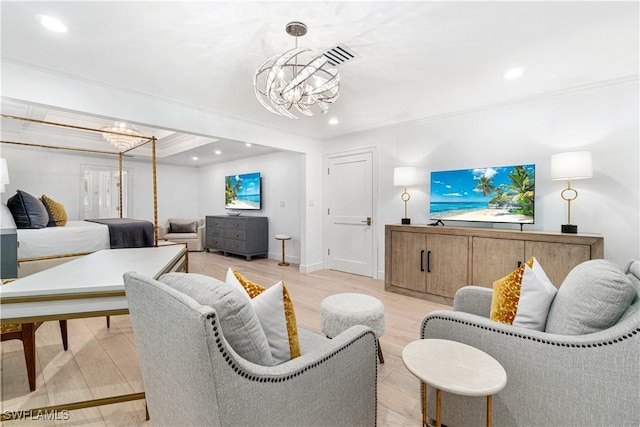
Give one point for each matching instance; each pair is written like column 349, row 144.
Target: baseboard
column 310, row 268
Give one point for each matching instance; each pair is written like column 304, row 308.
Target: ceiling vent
column 340, row 55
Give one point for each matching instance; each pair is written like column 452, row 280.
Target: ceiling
column 416, row 60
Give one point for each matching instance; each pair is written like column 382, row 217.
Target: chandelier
column 123, row 136
column 285, row 84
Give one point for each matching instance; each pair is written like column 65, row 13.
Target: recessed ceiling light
column 218, row 152
column 512, row 74
column 194, row 158
column 247, row 144
column 52, row 23
column 333, row 121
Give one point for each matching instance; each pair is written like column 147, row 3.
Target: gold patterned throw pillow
column 257, row 291
column 506, row 295
column 57, row 214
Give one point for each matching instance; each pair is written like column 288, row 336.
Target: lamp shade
column 4, row 172
column 571, row 165
column 404, row 176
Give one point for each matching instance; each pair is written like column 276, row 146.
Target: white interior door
column 350, row 212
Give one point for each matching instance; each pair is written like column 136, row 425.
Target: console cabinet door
column 557, row 259
column 408, row 257
column 493, row 259
column 447, row 264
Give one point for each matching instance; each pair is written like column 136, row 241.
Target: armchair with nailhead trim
column 553, row 378
column 193, row 376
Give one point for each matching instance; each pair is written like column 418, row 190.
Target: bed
column 43, row 248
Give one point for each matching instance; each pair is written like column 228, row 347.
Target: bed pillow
column 276, row 314
column 57, row 214
column 189, row 227
column 238, row 321
column 27, row 210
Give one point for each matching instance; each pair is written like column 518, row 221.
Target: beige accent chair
column 184, row 230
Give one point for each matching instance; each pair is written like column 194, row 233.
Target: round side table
column 283, row 238
column 341, row 311
column 455, row 368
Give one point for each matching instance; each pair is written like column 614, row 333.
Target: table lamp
column 405, row 176
column 571, row 166
column 4, row 174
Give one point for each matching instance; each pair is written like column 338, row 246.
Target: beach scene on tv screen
column 242, row 191
column 493, row 194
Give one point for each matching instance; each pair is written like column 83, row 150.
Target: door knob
column 368, row 221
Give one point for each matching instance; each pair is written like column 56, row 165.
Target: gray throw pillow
column 189, row 227
column 239, row 323
column 592, row 298
column 27, row 210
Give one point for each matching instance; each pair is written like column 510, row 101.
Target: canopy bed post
column 155, row 189
column 120, row 206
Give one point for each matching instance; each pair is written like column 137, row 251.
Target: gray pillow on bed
column 27, row 210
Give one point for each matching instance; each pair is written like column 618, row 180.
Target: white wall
column 602, row 119
column 281, row 185
column 57, row 174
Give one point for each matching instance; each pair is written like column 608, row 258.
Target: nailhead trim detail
column 254, row 378
column 517, row 335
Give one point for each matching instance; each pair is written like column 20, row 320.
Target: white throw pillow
column 536, row 295
column 232, row 280
column 269, row 306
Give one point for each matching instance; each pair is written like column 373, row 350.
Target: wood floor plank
column 103, row 361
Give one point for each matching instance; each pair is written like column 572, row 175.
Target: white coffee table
column 455, row 368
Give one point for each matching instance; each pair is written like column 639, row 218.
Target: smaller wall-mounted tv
column 493, row 194
column 242, row 191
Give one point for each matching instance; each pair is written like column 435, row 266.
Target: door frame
column 375, row 230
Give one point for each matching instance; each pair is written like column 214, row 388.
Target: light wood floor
column 102, row 362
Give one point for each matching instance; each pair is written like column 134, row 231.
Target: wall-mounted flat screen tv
column 242, row 191
column 494, row 194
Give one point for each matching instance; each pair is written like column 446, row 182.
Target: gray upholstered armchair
column 553, row 378
column 193, row 376
column 184, row 230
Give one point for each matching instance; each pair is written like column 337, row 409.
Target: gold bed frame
column 147, row 139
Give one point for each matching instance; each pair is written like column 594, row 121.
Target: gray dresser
column 240, row 235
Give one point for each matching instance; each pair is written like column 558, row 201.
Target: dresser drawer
column 214, row 222
column 235, row 234
column 235, row 224
column 215, row 232
column 215, row 242
column 235, row 245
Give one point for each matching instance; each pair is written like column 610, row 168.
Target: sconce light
column 404, row 177
column 572, row 165
column 4, row 174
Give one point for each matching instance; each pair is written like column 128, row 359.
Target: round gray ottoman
column 341, row 311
